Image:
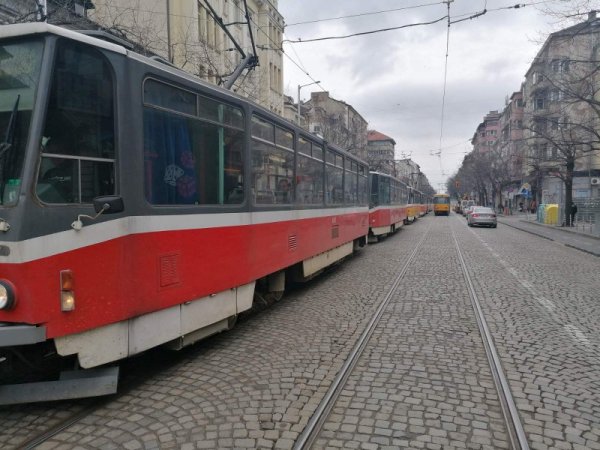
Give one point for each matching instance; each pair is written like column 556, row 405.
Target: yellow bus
column 441, row 204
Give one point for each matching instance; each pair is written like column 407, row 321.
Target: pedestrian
column 573, row 213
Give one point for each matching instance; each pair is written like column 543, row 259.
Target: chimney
column 592, row 16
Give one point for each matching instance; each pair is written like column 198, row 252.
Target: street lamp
column 298, row 110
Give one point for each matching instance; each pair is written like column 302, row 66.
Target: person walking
column 573, row 213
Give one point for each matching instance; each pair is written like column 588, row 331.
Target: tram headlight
column 7, row 295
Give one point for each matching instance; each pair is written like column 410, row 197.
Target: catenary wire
column 362, row 14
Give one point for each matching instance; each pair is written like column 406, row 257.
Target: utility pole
column 298, row 109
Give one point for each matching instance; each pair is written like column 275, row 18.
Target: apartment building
column 561, row 119
column 510, row 146
column 186, row 33
column 380, row 152
column 337, row 121
column 487, row 132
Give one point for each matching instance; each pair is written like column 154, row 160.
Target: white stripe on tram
column 95, row 233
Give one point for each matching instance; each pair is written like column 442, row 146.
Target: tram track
column 315, row 424
column 136, row 374
column 514, row 426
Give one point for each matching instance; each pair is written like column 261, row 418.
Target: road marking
column 575, row 333
column 545, row 303
column 578, row 335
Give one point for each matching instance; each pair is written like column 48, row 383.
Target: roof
column 589, row 26
column 374, row 135
column 42, row 27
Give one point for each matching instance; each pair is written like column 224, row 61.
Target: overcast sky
column 395, row 79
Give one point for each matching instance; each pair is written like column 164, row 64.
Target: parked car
column 465, row 204
column 483, row 216
column 467, row 211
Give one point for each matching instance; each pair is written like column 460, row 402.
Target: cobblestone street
column 423, row 381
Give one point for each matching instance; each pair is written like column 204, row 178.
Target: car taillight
column 475, row 215
column 494, row 216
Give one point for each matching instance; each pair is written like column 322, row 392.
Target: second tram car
column 388, row 204
column 141, row 206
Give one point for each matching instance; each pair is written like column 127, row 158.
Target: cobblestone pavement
column 423, row 381
column 541, row 302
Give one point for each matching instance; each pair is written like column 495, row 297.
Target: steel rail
column 516, row 431
column 315, row 424
column 132, row 379
column 33, row 442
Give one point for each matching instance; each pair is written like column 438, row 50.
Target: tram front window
column 78, row 144
column 20, row 63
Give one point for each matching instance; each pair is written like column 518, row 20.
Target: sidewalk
column 575, row 237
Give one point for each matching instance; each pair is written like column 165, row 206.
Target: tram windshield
column 441, row 200
column 20, row 63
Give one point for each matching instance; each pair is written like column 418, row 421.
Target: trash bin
column 551, row 217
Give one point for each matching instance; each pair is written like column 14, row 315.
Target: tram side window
column 334, row 173
column 397, row 193
column 374, row 191
column 309, row 173
column 363, row 186
column 188, row 160
column 78, row 145
column 350, row 182
column 384, row 191
column 272, row 163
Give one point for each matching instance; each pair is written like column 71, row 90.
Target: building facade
column 561, row 94
column 487, row 133
column 380, row 152
column 337, row 122
column 509, row 149
column 185, row 33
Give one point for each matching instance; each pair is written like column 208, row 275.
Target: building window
column 539, row 103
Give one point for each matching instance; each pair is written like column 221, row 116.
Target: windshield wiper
column 9, row 136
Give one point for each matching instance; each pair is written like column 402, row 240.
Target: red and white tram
column 141, row 206
column 388, row 206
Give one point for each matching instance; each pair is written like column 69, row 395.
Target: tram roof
column 20, row 29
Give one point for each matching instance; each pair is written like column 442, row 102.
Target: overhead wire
column 277, row 47
column 362, row 14
column 380, row 30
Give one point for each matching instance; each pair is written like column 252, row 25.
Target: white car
column 483, row 216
